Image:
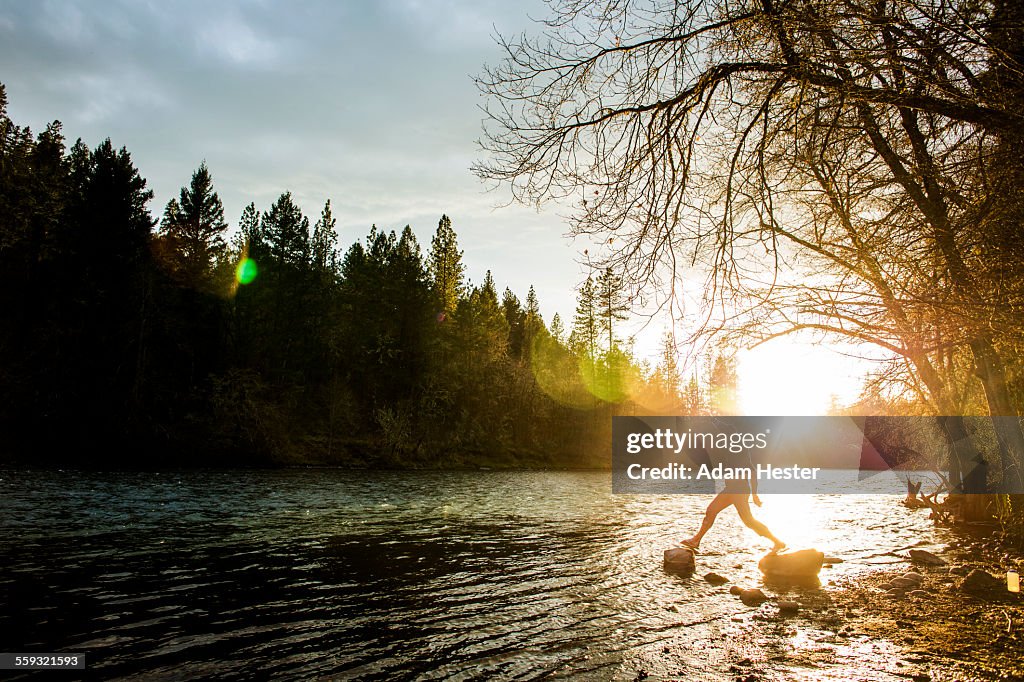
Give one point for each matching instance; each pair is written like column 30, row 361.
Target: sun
column 796, row 378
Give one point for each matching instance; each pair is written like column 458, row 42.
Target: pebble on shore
column 922, row 556
column 753, row 597
column 788, row 607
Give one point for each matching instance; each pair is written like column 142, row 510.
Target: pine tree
column 611, row 304
column 722, row 382
column 667, row 376
column 287, row 299
column 694, row 402
column 533, row 309
column 108, row 233
column 407, row 249
column 557, row 328
column 488, row 291
column 250, row 240
column 353, row 262
column 445, row 266
column 533, row 323
column 512, row 309
column 407, row 271
column 483, row 328
column 586, row 324
column 109, row 222
column 325, row 240
column 286, row 232
column 406, row 291
column 380, row 246
column 193, row 226
column 250, row 309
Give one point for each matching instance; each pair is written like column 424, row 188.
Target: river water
column 307, row 574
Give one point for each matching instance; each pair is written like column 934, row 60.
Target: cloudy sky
column 368, row 103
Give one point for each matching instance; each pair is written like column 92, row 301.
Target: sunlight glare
column 786, row 378
column 787, row 516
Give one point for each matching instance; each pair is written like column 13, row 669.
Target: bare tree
column 828, row 163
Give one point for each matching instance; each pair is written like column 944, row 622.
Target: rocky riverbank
column 932, row 618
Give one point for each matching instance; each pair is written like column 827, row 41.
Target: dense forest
column 131, row 340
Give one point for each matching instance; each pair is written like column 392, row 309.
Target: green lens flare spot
column 246, row 271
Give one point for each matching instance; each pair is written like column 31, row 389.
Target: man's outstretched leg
column 721, row 501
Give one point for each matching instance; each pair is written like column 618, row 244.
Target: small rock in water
column 735, row 590
column 922, row 556
column 903, row 582
column 980, row 581
column 680, row 559
column 832, row 560
column 753, row 597
column 959, row 570
column 715, row 579
column 911, row 575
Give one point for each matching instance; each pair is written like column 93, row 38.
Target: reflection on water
column 305, row 574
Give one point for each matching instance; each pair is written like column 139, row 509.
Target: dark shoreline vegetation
column 131, row 342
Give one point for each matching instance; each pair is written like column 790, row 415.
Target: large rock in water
column 804, row 563
column 680, row 560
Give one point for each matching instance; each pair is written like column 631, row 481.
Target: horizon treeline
column 127, row 340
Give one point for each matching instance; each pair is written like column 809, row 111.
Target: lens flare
column 246, row 271
column 555, row 370
column 582, row 383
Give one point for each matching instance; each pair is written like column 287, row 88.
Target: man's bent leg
column 747, row 517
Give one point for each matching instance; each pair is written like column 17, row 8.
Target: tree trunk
column 974, row 468
column 990, row 369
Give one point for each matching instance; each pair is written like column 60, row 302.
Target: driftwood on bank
column 955, row 508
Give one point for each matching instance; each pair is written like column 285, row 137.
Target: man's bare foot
column 779, row 546
column 690, row 544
